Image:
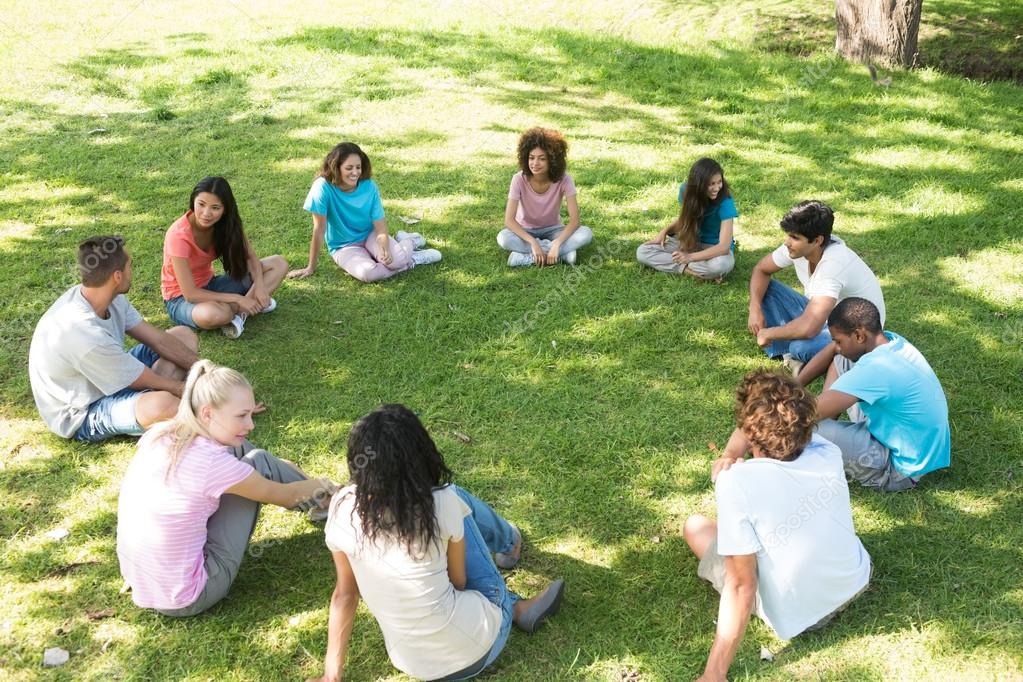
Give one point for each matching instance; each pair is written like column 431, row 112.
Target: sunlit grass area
column 589, row 395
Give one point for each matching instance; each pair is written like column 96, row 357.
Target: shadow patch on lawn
column 978, row 39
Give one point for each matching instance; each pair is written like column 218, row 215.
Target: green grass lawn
column 590, row 395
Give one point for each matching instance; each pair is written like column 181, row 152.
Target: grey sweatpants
column 509, row 241
column 229, row 529
column 865, row 458
column 659, row 258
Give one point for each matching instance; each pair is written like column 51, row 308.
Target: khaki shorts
column 712, row 569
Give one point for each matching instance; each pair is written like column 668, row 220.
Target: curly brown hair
column 776, row 414
column 552, row 142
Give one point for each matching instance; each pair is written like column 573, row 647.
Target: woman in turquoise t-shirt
column 698, row 242
column 349, row 218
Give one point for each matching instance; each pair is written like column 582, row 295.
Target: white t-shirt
column 841, row 274
column 795, row 516
column 430, row 629
column 76, row 358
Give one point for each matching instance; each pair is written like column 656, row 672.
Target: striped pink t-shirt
column 161, row 520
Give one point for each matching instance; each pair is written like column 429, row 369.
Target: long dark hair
column 228, row 235
column 395, row 467
column 695, row 201
column 331, row 168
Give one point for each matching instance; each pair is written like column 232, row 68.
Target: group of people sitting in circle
column 423, row 553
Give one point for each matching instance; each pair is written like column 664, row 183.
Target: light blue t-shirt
column 350, row 215
column 717, row 213
column 905, row 406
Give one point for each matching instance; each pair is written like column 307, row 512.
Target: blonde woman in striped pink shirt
column 191, row 495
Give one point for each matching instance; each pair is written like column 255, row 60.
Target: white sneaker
column 272, row 306
column 518, row 260
column 234, row 328
column 793, row 365
column 568, row 258
column 426, row 256
column 417, row 239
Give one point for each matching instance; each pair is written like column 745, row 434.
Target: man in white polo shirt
column 792, row 326
column 783, row 546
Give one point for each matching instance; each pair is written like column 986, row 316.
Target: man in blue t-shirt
column 899, row 429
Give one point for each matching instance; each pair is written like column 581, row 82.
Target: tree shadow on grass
column 923, row 570
column 37, row 478
column 977, row 40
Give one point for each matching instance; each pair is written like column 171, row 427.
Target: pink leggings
column 362, row 259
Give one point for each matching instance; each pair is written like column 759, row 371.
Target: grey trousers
column 659, row 258
column 865, row 458
column 509, row 241
column 229, row 529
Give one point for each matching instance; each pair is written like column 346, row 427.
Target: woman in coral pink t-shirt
column 212, row 229
column 533, row 230
column 191, row 495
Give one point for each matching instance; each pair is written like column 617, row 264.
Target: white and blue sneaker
column 235, row 327
column 519, row 260
column 417, row 239
column 425, row 256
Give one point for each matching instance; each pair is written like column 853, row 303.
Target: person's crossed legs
column 216, row 314
column 782, row 304
column 865, row 458
column 362, row 260
column 129, row 411
column 154, row 406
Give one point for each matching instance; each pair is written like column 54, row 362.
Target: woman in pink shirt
column 533, row 229
column 191, row 495
column 212, row 229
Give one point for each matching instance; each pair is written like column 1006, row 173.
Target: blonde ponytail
column 207, row 384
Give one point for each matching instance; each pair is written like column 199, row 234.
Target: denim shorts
column 114, row 415
column 180, row 311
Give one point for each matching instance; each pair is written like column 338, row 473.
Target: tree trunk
column 880, row 32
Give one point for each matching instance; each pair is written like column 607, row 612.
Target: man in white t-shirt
column 86, row 385
column 783, row 545
column 786, row 323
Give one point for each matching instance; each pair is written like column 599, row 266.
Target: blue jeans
column 485, row 533
column 180, row 311
column 781, row 305
column 114, row 414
